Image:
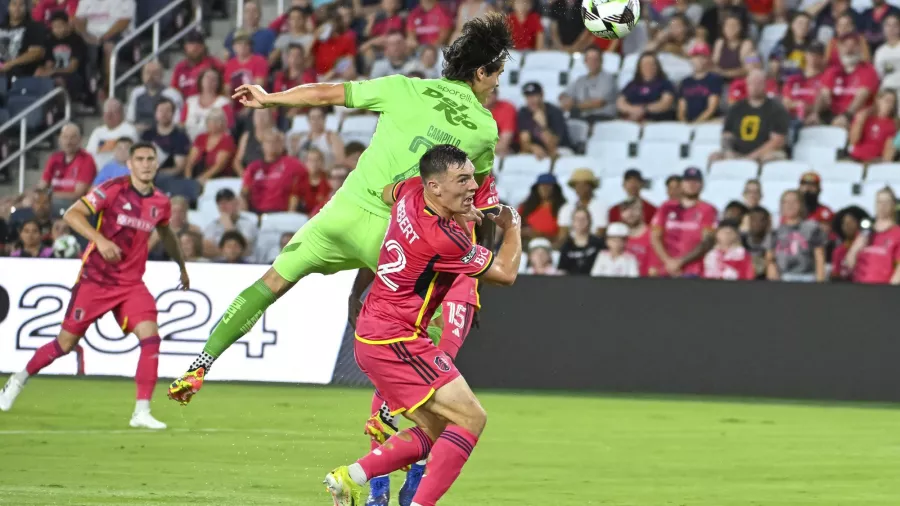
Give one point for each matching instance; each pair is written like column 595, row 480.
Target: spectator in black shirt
column 578, row 253
column 755, row 128
column 21, row 42
column 64, row 55
column 40, row 211
column 714, row 16
column 170, row 139
column 567, row 31
column 542, row 126
column 756, row 237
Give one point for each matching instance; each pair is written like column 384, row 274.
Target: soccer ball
column 610, row 19
column 66, row 246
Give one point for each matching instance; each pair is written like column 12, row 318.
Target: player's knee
column 475, row 419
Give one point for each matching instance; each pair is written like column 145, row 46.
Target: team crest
column 154, row 212
column 78, row 314
column 442, row 363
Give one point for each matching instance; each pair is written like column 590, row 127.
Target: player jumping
column 128, row 209
column 459, row 312
column 416, row 114
column 428, row 248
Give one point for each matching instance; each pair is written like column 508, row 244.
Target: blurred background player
column 414, row 376
column 128, row 209
column 347, row 233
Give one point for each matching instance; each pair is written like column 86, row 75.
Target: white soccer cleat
column 10, row 391
column 144, row 420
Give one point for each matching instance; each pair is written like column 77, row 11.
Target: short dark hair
column 233, row 235
column 732, row 224
column 59, row 15
column 439, row 158
column 141, row 145
column 734, row 204
column 594, row 49
column 673, row 177
column 353, row 148
column 125, row 139
column 759, row 210
column 165, row 100
column 485, row 42
column 296, row 9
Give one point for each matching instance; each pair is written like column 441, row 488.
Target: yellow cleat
column 378, row 429
column 184, row 388
column 343, row 489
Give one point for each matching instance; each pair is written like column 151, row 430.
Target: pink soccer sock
column 449, row 455
column 146, row 374
column 402, row 449
column 44, row 356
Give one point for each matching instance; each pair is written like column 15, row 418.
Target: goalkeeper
column 347, row 233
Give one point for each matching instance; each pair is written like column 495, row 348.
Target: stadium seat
column 675, row 67
column 813, row 153
column 547, row 78
column 839, row 194
column 608, row 154
column 17, row 104
column 881, row 173
column 772, row 191
column 526, row 165
column 359, row 128
column 658, row 158
column 698, row 154
column 708, row 133
column 271, row 228
column 552, row 93
column 513, row 95
column 866, row 197
column 214, row 185
column 172, row 186
column 719, row 192
column 733, row 169
column 786, row 170
column 850, row 172
column 618, row 130
column 202, row 217
column 578, row 131
column 667, row 131
column 515, row 60
column 301, row 123
column 547, row 60
column 824, row 136
column 769, row 38
column 514, row 187
column 566, row 165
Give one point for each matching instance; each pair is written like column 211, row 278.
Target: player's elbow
column 501, row 275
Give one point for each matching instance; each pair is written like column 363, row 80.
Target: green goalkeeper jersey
column 416, row 114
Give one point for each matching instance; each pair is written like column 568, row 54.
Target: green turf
column 271, row 445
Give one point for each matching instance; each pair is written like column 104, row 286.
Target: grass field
column 67, row 442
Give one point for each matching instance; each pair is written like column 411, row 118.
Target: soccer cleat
column 144, row 420
column 379, row 491
column 411, row 484
column 342, row 488
column 10, row 391
column 379, row 429
column 185, row 387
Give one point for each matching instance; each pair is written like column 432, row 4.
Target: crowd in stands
column 728, row 125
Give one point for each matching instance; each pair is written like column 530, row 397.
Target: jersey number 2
column 392, row 267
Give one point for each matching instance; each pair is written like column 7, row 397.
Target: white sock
column 357, row 474
column 142, row 406
column 21, row 376
column 421, row 462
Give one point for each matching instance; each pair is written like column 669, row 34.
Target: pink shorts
column 405, row 373
column 130, row 305
column 458, row 318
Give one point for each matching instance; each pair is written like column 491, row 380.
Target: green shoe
column 343, row 489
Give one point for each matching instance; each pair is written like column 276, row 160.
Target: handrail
column 22, row 119
column 157, row 47
column 239, row 15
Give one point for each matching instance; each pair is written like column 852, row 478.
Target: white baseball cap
column 617, row 230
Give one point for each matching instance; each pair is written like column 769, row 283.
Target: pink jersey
column 465, row 289
column 731, row 264
column 683, row 229
column 127, row 218
column 420, row 259
column 640, row 247
column 876, row 262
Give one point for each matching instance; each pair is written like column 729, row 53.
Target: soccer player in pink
column 459, row 312
column 874, row 257
column 424, row 250
column 128, row 209
column 683, row 230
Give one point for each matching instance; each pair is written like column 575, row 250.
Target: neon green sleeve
column 484, row 163
column 376, row 94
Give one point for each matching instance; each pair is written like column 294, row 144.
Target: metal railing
column 22, row 119
column 239, row 16
column 158, row 47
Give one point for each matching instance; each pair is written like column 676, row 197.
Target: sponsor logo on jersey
column 127, row 206
column 133, row 222
column 470, row 255
column 454, row 113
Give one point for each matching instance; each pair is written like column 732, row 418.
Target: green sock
column 239, row 318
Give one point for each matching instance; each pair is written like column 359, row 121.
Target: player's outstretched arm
column 305, row 95
column 77, row 217
column 505, row 267
column 173, row 248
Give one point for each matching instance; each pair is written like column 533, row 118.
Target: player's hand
column 474, row 215
column 108, row 250
column 508, row 218
column 673, row 267
column 252, row 96
column 185, row 280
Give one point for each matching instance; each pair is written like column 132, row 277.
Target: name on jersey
column 132, row 222
column 442, row 137
column 404, row 223
column 454, row 113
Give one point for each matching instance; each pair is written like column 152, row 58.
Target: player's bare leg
column 43, row 356
column 238, row 319
column 146, row 375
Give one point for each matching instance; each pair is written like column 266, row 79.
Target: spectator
column 187, row 73
column 735, row 211
column 845, row 29
column 245, row 67
column 395, row 57
column 336, row 177
column 795, row 251
column 318, row 190
column 233, row 247
column 580, row 247
column 887, row 56
column 540, row 258
column 298, row 34
column 426, row 64
column 23, row 52
column 327, row 142
column 801, row 91
column 65, row 245
column 683, row 230
column 871, row 20
column 428, row 23
column 39, row 211
column 504, row 114
column 208, row 98
column 699, row 93
column 728, row 260
column 675, row 38
column 142, row 103
column 69, row 171
column 43, row 10
column 787, row 58
column 275, row 249
column 295, row 74
column 755, row 128
column 171, row 141
column 380, row 23
column 262, row 39
column 102, row 142
column 542, row 127
column 65, row 55
column 179, row 224
column 540, row 210
column 752, row 198
column 352, row 151
column 668, row 8
column 762, row 12
column 848, row 87
column 30, row 244
column 274, row 182
column 826, row 13
column 567, row 31
column 633, row 182
column 102, row 23
column 849, row 229
column 673, row 189
column 250, row 145
column 650, row 96
column 525, row 24
column 117, row 167
column 212, row 152
column 638, row 243
column 469, row 10
column 873, row 129
column 191, row 246
column 334, row 50
column 616, row 261
column 594, row 95
column 230, row 220
column 810, row 190
column 737, row 90
column 585, row 183
column 280, row 23
column 756, row 239
column 714, row 17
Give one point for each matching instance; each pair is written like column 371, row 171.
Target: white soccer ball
column 66, row 246
column 610, row 19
